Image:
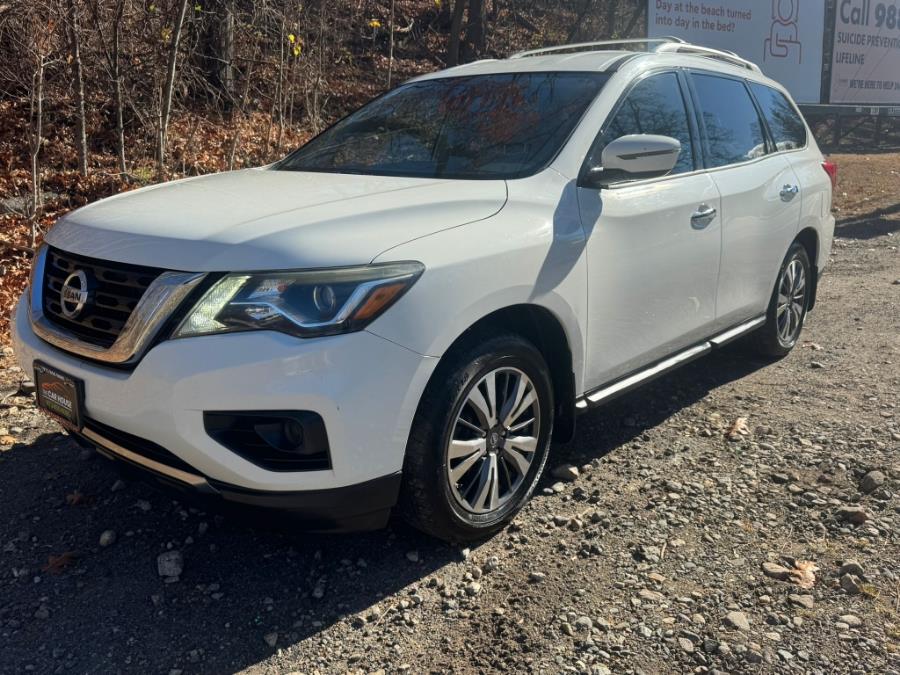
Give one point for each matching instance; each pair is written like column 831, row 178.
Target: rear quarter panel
column 815, row 194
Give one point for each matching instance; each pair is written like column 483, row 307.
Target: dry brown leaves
column 737, row 429
column 803, row 574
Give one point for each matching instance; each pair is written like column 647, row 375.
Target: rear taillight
column 831, row 170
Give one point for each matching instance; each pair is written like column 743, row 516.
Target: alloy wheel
column 494, row 440
column 791, row 302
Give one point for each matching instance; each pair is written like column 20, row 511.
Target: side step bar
column 626, row 384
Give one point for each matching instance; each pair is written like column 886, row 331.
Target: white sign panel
column 866, row 58
column 783, row 37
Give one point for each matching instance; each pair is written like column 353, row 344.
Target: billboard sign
column 866, row 57
column 783, row 37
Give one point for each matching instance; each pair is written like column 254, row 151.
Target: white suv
column 408, row 309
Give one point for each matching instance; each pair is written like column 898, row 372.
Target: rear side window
column 734, row 132
column 653, row 106
column 785, row 123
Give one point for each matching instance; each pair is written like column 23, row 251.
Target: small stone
column 852, row 514
column 781, row 478
column 652, row 596
column 737, row 620
column 42, row 613
column 816, row 365
column 584, row 624
column 565, row 472
column 107, row 538
column 536, row 577
column 686, row 645
column 851, row 620
column 170, row 564
column 473, row 588
column 412, row 556
column 871, row 481
column 850, row 583
column 492, row 564
column 805, row 601
column 271, row 639
column 852, row 567
column 118, row 486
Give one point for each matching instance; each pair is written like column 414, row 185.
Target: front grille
column 115, row 289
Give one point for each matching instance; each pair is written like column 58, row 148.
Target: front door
column 653, row 246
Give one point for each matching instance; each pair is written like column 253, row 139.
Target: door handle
column 702, row 217
column 788, row 192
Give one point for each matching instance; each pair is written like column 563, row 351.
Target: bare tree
column 74, row 33
column 455, row 32
column 166, row 106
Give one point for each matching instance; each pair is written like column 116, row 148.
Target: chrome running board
column 626, row 384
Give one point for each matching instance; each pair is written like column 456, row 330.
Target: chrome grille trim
column 156, row 305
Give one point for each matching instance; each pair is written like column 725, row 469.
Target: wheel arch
column 545, row 331
column 809, row 239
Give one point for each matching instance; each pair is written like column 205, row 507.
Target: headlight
column 305, row 304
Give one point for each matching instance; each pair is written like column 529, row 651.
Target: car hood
column 260, row 219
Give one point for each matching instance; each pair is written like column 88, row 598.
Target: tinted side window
column 784, row 121
column 733, row 128
column 653, row 106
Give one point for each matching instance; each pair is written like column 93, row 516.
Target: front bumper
column 365, row 388
column 363, row 506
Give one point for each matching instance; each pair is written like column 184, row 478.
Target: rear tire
column 787, row 306
column 479, row 440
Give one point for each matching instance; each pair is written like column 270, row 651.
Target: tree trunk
column 475, row 35
column 455, row 30
column 117, row 84
column 37, row 141
column 166, row 103
column 78, row 75
column 391, row 47
column 611, row 7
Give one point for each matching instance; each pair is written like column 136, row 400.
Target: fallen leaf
column 803, row 573
column 739, row 428
column 78, row 499
column 56, row 564
column 7, row 440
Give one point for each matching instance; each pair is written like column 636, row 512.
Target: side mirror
column 632, row 157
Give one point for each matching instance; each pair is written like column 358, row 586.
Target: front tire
column 787, row 306
column 479, row 439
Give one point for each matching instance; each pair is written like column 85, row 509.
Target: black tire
column 771, row 340
column 427, row 500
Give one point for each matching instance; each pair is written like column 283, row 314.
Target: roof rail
column 592, row 46
column 663, row 45
column 708, row 52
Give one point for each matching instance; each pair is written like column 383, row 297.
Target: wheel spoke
column 517, row 404
column 461, row 469
column 473, row 427
column 460, row 449
column 524, row 443
column 486, row 492
column 482, row 408
column 519, row 461
column 521, row 425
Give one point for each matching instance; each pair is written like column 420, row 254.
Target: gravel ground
column 736, row 516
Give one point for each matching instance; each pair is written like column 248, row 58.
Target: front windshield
column 478, row 127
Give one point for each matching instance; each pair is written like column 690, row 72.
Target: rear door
column 652, row 245
column 760, row 195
